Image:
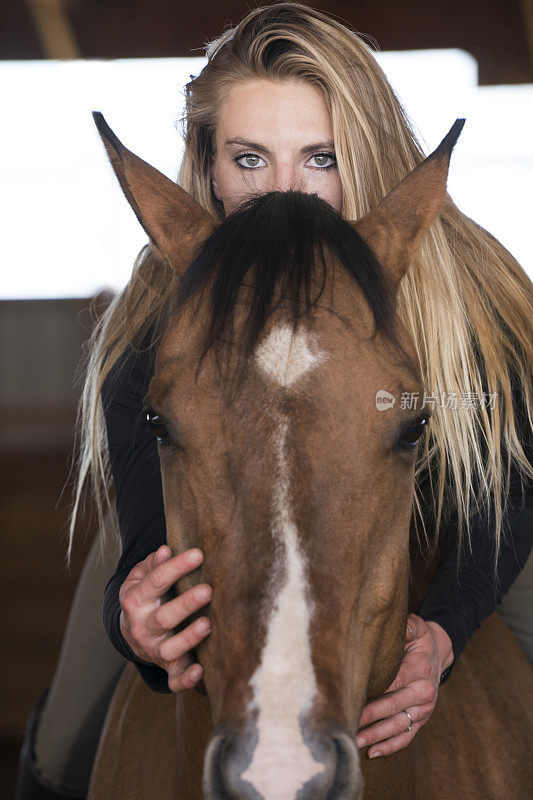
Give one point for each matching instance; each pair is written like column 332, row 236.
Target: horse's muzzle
column 228, row 757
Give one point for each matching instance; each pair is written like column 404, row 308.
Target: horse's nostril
column 227, row 759
column 347, row 783
column 213, row 783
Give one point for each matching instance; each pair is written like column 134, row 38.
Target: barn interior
column 43, row 329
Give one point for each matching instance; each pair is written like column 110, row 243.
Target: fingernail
column 203, row 594
column 374, row 754
column 196, row 672
column 194, row 556
column 360, row 741
column 202, row 625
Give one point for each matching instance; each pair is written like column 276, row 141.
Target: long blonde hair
column 465, row 300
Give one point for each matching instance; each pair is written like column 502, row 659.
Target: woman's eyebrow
column 308, row 148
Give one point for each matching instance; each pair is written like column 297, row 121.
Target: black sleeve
column 139, row 495
column 460, row 598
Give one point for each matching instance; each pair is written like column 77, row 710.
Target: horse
column 278, row 461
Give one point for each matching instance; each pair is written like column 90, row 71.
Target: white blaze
column 284, row 684
column 286, row 357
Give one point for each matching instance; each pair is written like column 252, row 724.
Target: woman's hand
column 147, row 623
column 384, row 723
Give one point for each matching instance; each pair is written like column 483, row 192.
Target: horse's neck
column 421, row 571
column 424, row 556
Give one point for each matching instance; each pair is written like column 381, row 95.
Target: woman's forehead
column 273, row 112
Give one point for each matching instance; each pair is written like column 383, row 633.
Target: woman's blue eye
column 252, row 161
column 322, row 158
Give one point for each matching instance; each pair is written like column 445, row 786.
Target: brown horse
column 278, row 462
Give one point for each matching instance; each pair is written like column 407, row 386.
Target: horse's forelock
column 281, row 244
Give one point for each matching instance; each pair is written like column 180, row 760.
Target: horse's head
column 297, row 479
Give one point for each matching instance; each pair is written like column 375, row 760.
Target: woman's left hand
column 384, row 726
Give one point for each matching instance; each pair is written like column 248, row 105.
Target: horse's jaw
column 389, row 653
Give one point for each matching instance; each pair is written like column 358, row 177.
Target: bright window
column 69, row 232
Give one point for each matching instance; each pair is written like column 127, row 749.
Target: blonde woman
column 290, row 98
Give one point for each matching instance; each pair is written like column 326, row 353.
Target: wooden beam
column 54, row 29
column 527, row 10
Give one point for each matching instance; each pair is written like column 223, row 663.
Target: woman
column 291, row 98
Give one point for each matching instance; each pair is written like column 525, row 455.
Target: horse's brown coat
column 477, row 744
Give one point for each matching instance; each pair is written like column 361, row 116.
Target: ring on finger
column 411, row 720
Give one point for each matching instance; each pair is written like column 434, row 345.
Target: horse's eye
column 411, row 436
column 157, row 427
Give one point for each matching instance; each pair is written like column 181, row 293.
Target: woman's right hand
column 147, row 623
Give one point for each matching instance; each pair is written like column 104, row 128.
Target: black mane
column 279, row 242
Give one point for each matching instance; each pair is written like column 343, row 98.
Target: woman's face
column 274, row 136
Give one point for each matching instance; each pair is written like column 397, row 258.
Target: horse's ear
column 175, row 222
column 395, row 228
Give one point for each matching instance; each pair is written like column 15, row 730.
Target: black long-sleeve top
column 458, row 601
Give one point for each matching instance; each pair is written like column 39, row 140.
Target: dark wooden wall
column 494, row 31
column 40, row 347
